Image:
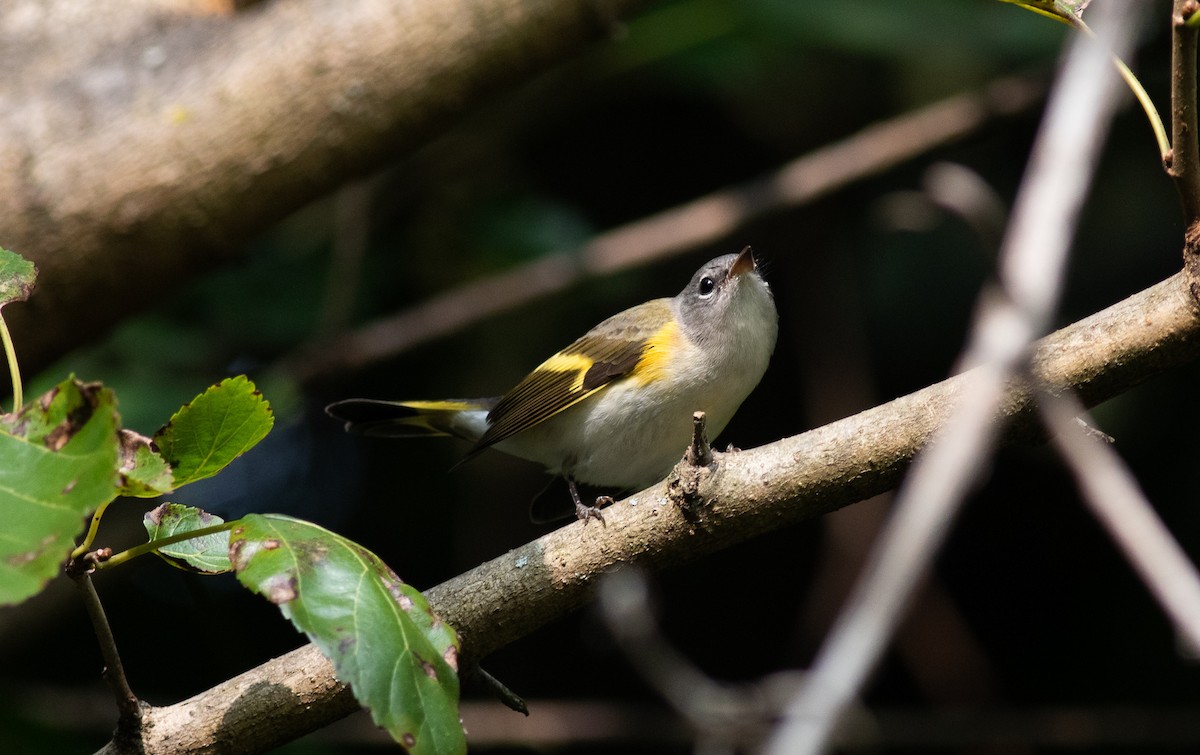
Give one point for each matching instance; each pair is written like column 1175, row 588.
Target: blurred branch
column 1032, row 263
column 614, row 723
column 747, row 493
column 140, row 148
column 1115, row 498
column 351, row 229
column 701, row 222
column 725, row 719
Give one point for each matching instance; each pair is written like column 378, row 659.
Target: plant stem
column 154, row 545
column 114, row 673
column 92, row 529
column 14, row 370
column 1139, row 92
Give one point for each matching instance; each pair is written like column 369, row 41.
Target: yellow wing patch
column 634, row 343
column 576, row 364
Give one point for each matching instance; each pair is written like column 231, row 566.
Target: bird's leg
column 586, row 512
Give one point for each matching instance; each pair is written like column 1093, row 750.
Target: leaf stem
column 153, row 545
column 1135, row 86
column 14, row 370
column 92, row 529
column 128, row 705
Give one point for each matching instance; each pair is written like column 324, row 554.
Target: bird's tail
column 463, row 418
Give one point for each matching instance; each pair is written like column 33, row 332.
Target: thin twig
column 129, row 707
column 1184, row 163
column 699, row 452
column 1032, row 262
column 702, row 222
column 1115, row 498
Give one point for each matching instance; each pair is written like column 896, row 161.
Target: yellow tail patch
column 440, row 406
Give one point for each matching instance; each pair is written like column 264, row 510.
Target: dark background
column 1033, row 622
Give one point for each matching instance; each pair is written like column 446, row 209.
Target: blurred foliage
column 691, row 97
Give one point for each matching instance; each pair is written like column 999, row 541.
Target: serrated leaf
column 17, row 276
column 398, row 657
column 217, row 426
column 58, row 461
column 207, row 554
column 144, row 472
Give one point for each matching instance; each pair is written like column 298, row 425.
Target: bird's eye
column 707, row 285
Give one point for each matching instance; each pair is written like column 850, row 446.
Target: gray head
column 728, row 300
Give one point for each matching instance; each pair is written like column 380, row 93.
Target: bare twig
column 1184, row 163
column 128, row 705
column 702, row 222
column 699, row 452
column 1115, row 498
column 1032, row 261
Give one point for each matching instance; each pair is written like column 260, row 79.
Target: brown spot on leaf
column 69, row 487
column 19, row 559
column 451, row 657
column 130, row 443
column 270, row 545
column 155, row 514
column 235, row 553
column 58, row 437
column 279, row 588
column 408, row 740
column 429, row 669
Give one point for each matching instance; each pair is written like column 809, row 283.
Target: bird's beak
column 743, row 264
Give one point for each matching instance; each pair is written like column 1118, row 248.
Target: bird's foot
column 593, row 512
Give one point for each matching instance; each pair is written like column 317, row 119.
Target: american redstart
column 614, row 409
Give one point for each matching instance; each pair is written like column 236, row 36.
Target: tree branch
column 747, row 493
column 139, row 148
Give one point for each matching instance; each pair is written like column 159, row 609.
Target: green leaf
column 207, row 554
column 17, row 275
column 58, row 461
column 385, row 642
column 144, row 473
column 218, row 426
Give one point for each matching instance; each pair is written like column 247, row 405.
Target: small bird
column 614, row 409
